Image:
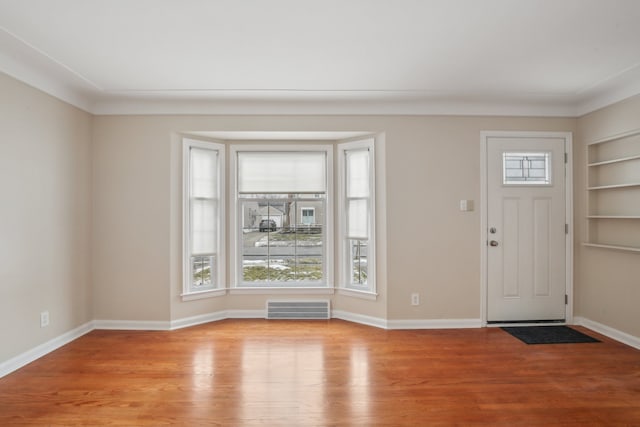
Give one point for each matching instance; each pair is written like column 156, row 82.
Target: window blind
column 357, row 193
column 203, row 200
column 282, row 172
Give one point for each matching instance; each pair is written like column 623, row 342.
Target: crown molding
column 397, row 105
column 609, row 91
column 27, row 64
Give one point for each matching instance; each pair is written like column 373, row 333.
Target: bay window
column 280, row 217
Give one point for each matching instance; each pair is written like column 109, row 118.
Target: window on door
column 526, row 168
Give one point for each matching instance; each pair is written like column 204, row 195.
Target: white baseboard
column 608, row 331
column 197, row 320
column 407, row 324
column 41, row 350
column 260, row 314
column 434, row 324
column 133, row 325
column 214, row 317
column 359, row 318
column 29, row 356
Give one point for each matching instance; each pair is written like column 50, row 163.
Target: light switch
column 466, row 205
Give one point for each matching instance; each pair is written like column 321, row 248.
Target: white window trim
column 235, row 276
column 344, row 281
column 187, row 294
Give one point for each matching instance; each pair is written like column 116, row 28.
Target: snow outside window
column 282, row 206
column 357, row 223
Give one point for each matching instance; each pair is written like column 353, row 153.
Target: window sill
column 204, row 294
column 281, row 290
column 372, row 296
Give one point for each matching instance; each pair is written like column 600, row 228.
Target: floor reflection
column 282, row 380
column 359, row 396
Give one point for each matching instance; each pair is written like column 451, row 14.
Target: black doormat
column 548, row 335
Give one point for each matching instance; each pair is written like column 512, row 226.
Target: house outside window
column 281, row 218
column 308, row 216
column 281, row 202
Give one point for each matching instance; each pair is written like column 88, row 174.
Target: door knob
column 493, row 243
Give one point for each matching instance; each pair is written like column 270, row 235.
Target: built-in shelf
column 614, row 152
column 620, row 248
column 612, row 161
column 609, row 187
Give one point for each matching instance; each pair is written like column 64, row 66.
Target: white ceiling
column 516, row 57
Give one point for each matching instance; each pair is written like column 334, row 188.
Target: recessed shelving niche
column 613, row 192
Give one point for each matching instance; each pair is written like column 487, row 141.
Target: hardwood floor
column 323, row 373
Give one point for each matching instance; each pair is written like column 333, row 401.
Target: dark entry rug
column 548, row 334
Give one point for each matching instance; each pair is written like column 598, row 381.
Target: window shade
column 203, row 226
column 203, row 172
column 357, row 173
column 203, row 204
column 282, row 172
column 357, row 219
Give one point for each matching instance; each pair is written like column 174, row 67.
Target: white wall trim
column 376, row 322
column 325, row 290
column 29, row 356
column 372, row 296
column 186, row 322
column 434, row 324
column 608, row 331
column 37, row 352
column 134, row 325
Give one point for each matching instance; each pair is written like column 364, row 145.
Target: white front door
column 526, row 237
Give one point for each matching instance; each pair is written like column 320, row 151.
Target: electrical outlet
column 44, row 319
column 415, row 299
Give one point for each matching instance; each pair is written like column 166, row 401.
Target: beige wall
column 432, row 248
column 91, row 218
column 607, row 281
column 45, row 164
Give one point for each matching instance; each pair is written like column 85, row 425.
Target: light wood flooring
column 323, row 373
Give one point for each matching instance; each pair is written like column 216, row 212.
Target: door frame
column 484, row 235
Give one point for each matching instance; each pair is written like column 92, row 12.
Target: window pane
column 357, row 173
column 357, row 219
column 204, row 192
column 359, row 271
column 526, row 168
column 202, row 272
column 309, row 238
column 284, row 172
column 204, row 172
column 203, row 226
column 277, row 247
column 356, row 229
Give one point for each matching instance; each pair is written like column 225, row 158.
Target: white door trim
column 484, row 136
